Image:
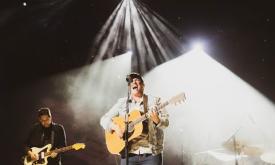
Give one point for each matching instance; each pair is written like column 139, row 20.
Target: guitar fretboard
column 59, row 150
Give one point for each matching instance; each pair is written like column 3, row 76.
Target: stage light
column 197, row 46
column 134, row 26
column 129, row 52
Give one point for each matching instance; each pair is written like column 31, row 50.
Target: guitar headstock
column 78, row 146
column 178, row 99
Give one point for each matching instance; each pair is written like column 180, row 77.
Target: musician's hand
column 155, row 116
column 53, row 154
column 117, row 130
column 33, row 155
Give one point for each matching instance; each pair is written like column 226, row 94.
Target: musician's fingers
column 119, row 131
column 53, row 154
column 155, row 112
column 155, row 108
column 34, row 156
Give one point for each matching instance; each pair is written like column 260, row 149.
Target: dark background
column 48, row 37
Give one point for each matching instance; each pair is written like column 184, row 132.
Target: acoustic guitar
column 115, row 144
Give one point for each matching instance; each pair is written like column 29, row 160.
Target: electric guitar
column 115, row 144
column 44, row 153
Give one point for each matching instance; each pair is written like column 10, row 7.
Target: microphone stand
column 127, row 125
column 237, row 153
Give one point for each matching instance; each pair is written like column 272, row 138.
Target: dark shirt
column 40, row 136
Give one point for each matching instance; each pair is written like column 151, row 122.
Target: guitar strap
column 42, row 139
column 145, row 107
column 145, row 103
column 52, row 136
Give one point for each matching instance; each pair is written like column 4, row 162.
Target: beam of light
column 93, row 89
column 133, row 26
column 219, row 104
column 90, row 92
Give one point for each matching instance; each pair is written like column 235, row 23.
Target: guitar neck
column 147, row 115
column 59, row 150
column 162, row 105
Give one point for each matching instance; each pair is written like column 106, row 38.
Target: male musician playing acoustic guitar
column 146, row 148
column 46, row 132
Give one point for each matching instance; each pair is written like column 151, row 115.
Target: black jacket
column 40, row 136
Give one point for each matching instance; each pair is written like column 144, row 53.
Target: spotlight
column 197, row 46
column 129, row 52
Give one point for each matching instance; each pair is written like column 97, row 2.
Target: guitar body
column 114, row 143
column 42, row 158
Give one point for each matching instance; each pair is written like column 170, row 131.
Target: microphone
column 129, row 79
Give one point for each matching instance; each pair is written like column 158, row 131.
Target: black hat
column 44, row 111
column 131, row 76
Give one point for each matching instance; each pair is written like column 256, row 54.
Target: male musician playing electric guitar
column 147, row 148
column 43, row 133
